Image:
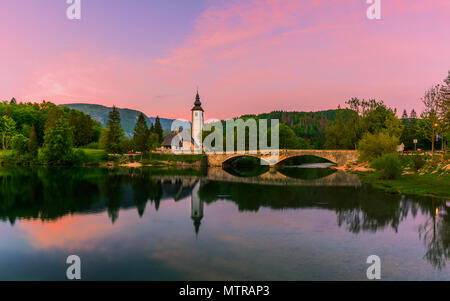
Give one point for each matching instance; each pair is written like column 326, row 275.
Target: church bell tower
column 197, row 125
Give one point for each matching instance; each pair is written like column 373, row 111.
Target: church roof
column 197, row 104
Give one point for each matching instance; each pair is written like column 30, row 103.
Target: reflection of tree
column 50, row 193
column 435, row 233
column 362, row 209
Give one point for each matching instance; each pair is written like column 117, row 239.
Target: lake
column 166, row 224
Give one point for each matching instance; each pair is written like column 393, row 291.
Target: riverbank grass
column 413, row 184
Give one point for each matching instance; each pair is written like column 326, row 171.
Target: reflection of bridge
column 274, row 177
column 340, row 157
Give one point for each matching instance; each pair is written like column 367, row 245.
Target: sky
column 245, row 56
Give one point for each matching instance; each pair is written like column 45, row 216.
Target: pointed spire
column 197, row 103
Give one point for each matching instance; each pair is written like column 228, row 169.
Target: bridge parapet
column 339, row 157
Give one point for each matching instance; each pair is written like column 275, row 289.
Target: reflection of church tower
column 196, row 207
column 197, row 124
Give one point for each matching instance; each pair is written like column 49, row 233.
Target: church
column 195, row 144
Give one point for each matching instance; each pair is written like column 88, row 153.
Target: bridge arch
column 294, row 156
column 232, row 158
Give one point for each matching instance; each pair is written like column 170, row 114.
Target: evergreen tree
column 158, row 129
column 413, row 114
column 114, row 133
column 404, row 115
column 141, row 134
column 33, row 143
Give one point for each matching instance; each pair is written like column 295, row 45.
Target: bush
column 92, row 145
column 79, row 157
column 373, row 146
column 417, row 162
column 388, row 167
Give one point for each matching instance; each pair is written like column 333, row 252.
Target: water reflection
column 51, row 194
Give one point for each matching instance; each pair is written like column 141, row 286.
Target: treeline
column 44, row 133
column 375, row 129
column 144, row 139
column 308, row 126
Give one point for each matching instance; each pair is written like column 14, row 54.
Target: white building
column 197, row 125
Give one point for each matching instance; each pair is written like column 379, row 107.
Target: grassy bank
column 412, row 184
column 172, row 159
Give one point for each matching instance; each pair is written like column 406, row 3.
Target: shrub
column 417, row 162
column 387, row 167
column 373, row 146
column 79, row 157
column 92, row 145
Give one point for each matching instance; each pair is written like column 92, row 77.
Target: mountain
column 128, row 117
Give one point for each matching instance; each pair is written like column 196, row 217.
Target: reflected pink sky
column 246, row 56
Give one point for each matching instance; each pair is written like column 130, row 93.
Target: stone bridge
column 339, row 157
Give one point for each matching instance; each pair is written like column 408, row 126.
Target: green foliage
column 114, row 134
column 141, row 135
column 153, row 141
column 58, row 144
column 79, row 157
column 288, row 139
column 92, row 145
column 417, row 162
column 159, row 130
column 7, row 130
column 373, row 146
column 310, row 126
column 54, row 115
column 84, row 127
column 20, row 144
column 33, row 143
column 364, row 117
column 387, row 167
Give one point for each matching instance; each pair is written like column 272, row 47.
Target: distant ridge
column 128, row 116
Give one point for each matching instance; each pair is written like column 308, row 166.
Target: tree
column 141, row 134
column 53, row 116
column 159, row 130
column 445, row 105
column 7, row 130
column 288, row 139
column 58, row 143
column 373, row 146
column 115, row 132
column 413, row 114
column 153, row 141
column 33, row 143
column 404, row 115
column 83, row 127
column 20, row 144
column 432, row 113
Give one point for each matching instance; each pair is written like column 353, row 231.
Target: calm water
column 148, row 224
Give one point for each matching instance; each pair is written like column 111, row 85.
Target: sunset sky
column 246, row 56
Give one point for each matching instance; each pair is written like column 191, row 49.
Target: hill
column 128, row 117
column 308, row 125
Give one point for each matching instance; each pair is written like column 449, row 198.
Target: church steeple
column 197, row 103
